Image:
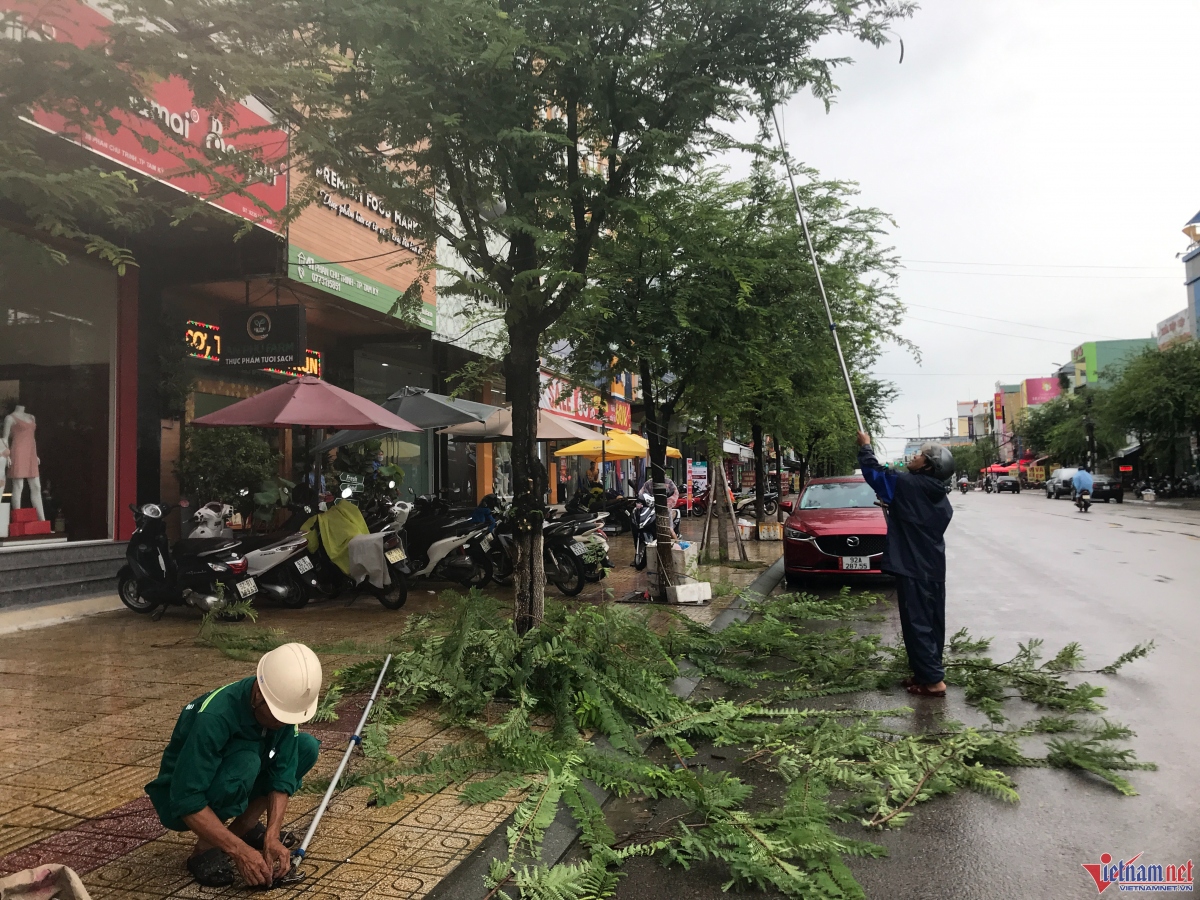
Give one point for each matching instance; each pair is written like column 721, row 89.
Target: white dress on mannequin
column 19, row 428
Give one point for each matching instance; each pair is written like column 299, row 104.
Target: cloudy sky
column 1039, row 159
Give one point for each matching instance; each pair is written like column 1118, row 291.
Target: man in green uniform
column 236, row 753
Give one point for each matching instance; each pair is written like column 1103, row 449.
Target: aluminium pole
column 812, row 253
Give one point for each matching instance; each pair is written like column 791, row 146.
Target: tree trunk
column 716, row 491
column 522, row 372
column 656, row 434
column 760, row 472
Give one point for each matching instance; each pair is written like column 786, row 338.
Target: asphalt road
column 1021, row 566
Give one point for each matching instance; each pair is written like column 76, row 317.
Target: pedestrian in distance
column 918, row 513
column 236, row 753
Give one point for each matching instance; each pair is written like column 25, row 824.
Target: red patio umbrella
column 308, row 401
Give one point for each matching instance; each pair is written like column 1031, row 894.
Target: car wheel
column 794, row 581
column 1121, row 499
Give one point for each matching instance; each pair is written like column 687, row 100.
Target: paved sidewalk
column 86, row 707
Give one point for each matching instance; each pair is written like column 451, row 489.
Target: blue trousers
column 923, row 622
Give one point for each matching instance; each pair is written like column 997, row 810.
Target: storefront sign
column 176, row 130
column 699, row 477
column 584, row 405
column 688, row 469
column 265, row 336
column 1175, row 330
column 205, row 341
column 365, row 209
column 1036, row 473
column 336, row 279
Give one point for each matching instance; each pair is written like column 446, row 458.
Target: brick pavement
column 86, row 708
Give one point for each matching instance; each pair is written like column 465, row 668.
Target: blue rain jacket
column 1082, row 481
column 918, row 515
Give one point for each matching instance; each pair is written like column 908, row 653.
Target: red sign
column 205, row 343
column 182, row 131
column 1039, row 390
column 583, row 405
column 1125, row 468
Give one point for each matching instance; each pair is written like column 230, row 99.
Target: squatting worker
column 237, row 752
column 918, row 513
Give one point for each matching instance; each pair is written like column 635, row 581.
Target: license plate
column 578, row 549
column 247, row 588
column 396, row 555
column 303, row 564
column 856, row 562
column 486, row 543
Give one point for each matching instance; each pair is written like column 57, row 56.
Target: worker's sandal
column 212, row 868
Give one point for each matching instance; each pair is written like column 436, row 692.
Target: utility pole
column 1091, row 435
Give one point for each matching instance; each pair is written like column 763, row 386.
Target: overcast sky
column 1056, row 142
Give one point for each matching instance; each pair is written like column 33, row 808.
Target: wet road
column 1021, row 566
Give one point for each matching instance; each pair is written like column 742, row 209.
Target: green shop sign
column 335, row 279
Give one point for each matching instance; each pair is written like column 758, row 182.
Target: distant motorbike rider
column 1082, row 484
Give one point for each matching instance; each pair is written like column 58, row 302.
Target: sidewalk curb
column 465, row 881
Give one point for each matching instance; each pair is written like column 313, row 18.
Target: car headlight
column 796, row 534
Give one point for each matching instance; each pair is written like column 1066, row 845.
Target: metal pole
column 812, row 253
column 355, row 739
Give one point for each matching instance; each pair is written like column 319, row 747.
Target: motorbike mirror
column 347, row 493
column 391, row 484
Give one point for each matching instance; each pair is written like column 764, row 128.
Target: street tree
column 1157, row 399
column 1062, row 428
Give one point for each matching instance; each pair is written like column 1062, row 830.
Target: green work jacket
column 209, row 728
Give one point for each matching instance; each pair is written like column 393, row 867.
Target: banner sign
column 339, row 280
column 170, row 130
column 1036, row 473
column 582, row 406
column 688, row 469
column 264, row 336
column 205, row 343
column 699, row 477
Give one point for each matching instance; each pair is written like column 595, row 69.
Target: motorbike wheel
column 130, row 595
column 297, row 590
column 566, row 572
column 502, row 568
column 639, row 557
column 770, row 507
column 482, row 574
column 395, row 595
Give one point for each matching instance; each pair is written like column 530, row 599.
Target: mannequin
column 19, row 428
column 4, row 460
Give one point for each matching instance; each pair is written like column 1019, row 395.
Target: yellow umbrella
column 620, row 445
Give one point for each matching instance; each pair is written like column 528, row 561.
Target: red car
column 835, row 527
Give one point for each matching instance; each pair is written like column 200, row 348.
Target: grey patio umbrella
column 421, row 407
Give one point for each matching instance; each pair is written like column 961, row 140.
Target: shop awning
column 498, row 427
column 740, row 450
column 620, row 445
column 311, row 402
column 423, row 408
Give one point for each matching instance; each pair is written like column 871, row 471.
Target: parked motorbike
column 1083, row 500
column 744, row 503
column 326, row 577
column 441, row 544
column 204, row 573
column 278, row 560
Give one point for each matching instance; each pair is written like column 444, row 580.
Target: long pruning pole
column 812, row 254
column 355, row 739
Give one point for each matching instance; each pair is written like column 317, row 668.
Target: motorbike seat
column 203, row 546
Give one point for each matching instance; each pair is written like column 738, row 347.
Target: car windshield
column 838, row 495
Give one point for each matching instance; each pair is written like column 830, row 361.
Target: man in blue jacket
column 918, row 513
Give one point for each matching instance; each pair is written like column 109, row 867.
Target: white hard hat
column 289, row 678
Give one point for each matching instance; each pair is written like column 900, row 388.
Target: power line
column 1035, row 275
column 949, row 262
column 1025, row 337
column 947, row 374
column 955, row 312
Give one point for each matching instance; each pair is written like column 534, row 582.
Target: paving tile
column 14, row 837
column 60, row 774
column 445, row 812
